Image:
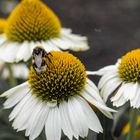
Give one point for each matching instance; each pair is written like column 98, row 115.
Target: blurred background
column 112, row 27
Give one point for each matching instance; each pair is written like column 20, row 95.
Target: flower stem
column 133, row 121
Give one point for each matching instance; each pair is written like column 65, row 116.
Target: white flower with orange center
column 122, row 80
column 57, row 96
column 18, row 70
column 33, row 23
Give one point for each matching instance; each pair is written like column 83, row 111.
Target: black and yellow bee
column 39, row 56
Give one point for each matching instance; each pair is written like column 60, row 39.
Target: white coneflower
column 32, row 23
column 57, row 97
column 18, row 70
column 121, row 81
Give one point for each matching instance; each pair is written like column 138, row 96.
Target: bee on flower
column 57, row 96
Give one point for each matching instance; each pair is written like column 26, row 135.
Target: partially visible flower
column 122, row 80
column 2, row 25
column 126, row 128
column 56, row 97
column 32, row 23
column 19, row 71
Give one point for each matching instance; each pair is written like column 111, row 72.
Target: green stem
column 12, row 80
column 133, row 122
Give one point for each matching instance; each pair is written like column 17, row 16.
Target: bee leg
column 49, row 60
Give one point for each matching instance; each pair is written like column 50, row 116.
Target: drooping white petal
column 107, row 77
column 53, row 125
column 66, row 123
column 8, row 51
column 121, row 101
column 137, row 105
column 15, row 95
column 118, row 99
column 92, row 120
column 135, row 102
column 33, row 118
column 92, row 90
column 20, row 71
column 109, row 87
column 49, row 46
column 118, row 93
column 100, row 105
column 24, row 52
column 46, row 46
column 130, row 90
column 105, row 70
column 59, row 43
column 74, row 42
column 77, row 118
column 21, row 120
column 37, row 121
column 32, row 45
column 19, row 106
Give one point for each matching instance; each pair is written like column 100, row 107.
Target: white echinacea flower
column 18, row 70
column 121, row 81
column 57, row 96
column 30, row 24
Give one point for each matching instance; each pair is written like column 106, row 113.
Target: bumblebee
column 39, row 56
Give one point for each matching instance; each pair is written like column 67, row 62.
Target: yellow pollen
column 2, row 25
column 32, row 20
column 64, row 76
column 129, row 68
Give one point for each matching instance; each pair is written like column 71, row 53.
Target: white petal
column 118, row 93
column 21, row 121
column 37, row 121
column 24, row 52
column 19, row 106
column 91, row 118
column 66, row 123
column 121, row 101
column 74, row 42
column 77, row 117
column 109, row 87
column 92, row 91
column 14, row 95
column 136, row 101
column 8, row 51
column 32, row 45
column 130, row 90
column 60, row 43
column 20, row 71
column 15, row 89
column 33, row 119
column 53, row 125
column 107, row 77
column 100, row 105
column 105, row 70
